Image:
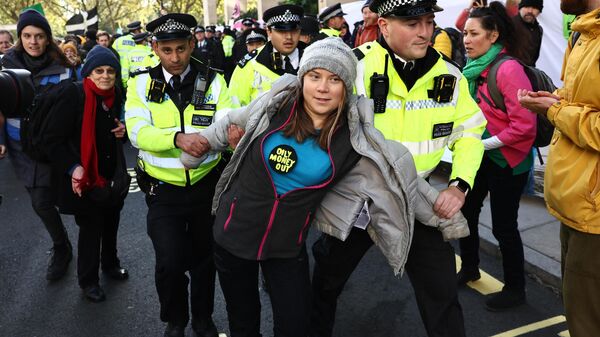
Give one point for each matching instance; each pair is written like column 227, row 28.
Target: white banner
column 553, row 42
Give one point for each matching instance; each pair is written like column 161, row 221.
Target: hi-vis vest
column 423, row 125
column 228, row 42
column 330, row 32
column 152, row 126
column 250, row 78
column 124, row 44
column 134, row 60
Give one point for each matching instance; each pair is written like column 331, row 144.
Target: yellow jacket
column 255, row 74
column 443, row 44
column 152, row 127
column 572, row 178
column 423, row 125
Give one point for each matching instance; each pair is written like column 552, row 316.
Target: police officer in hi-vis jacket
column 423, row 101
column 166, row 106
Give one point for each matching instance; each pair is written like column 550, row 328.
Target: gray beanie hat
column 333, row 55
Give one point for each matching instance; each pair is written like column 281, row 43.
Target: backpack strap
column 495, row 94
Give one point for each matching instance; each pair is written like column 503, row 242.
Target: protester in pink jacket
column 507, row 139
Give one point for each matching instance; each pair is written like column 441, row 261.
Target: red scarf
column 89, row 154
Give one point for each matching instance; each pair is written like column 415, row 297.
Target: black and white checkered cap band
column 389, row 6
column 171, row 25
column 285, row 17
column 255, row 36
column 333, row 14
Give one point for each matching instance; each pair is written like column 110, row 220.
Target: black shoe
column 116, row 273
column 504, row 300
column 466, row 275
column 204, row 328
column 175, row 330
column 94, row 293
column 60, row 256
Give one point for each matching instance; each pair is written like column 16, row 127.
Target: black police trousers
column 180, row 227
column 431, row 267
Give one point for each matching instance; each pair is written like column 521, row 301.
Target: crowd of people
column 247, row 139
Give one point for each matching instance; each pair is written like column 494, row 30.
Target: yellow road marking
column 222, row 335
column 533, row 327
column 565, row 334
column 486, row 285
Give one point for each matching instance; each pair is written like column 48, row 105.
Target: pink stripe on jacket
column 516, row 128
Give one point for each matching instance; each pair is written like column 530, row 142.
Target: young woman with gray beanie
column 309, row 149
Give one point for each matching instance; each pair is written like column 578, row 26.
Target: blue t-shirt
column 295, row 165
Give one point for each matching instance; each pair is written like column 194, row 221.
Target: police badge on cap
column 404, row 8
column 172, row 26
column 331, row 12
column 256, row 35
column 283, row 17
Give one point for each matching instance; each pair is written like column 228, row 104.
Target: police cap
column 211, row 29
column 331, row 12
column 248, row 22
column 256, row 34
column 199, row 29
column 135, row 25
column 140, row 37
column 172, row 26
column 309, row 25
column 404, row 8
column 283, row 17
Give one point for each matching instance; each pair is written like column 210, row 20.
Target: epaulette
column 362, row 50
column 451, row 61
column 139, row 72
column 359, row 54
column 242, row 63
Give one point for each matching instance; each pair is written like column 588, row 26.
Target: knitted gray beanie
column 333, row 55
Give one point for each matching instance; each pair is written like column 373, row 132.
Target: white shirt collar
column 168, row 75
column 294, row 57
column 404, row 61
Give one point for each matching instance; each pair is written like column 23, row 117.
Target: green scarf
column 475, row 67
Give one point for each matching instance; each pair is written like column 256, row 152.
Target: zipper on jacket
column 302, row 230
column 269, row 226
column 231, row 208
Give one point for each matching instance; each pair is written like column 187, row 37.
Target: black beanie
column 539, row 4
column 31, row 17
column 99, row 56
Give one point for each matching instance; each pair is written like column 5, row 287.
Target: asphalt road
column 375, row 303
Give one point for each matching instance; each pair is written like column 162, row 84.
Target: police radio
column 199, row 92
column 380, row 85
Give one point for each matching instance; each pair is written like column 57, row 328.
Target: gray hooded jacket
column 384, row 182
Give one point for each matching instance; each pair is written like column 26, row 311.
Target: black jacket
column 212, row 51
column 532, row 39
column 255, row 223
column 64, row 142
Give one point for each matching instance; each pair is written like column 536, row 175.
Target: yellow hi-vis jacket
column 152, row 127
column 250, row 78
column 134, row 60
column 330, row 32
column 423, row 125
